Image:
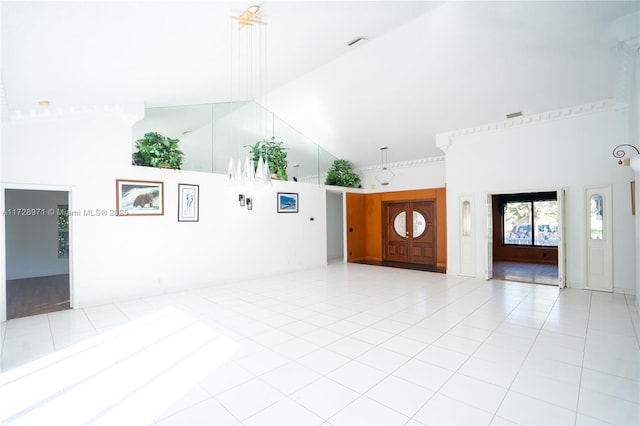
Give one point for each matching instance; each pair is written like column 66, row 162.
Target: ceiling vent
column 514, row 114
column 356, row 40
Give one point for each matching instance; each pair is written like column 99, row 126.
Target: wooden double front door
column 409, row 233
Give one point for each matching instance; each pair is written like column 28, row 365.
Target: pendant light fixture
column 248, row 82
column 385, row 175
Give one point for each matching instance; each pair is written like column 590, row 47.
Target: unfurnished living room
column 319, row 212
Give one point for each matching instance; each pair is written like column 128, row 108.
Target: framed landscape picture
column 287, row 202
column 139, row 198
column 188, row 202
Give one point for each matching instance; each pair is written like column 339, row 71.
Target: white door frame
column 3, row 239
column 489, row 239
column 561, row 230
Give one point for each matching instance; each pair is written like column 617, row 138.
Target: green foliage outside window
column 63, row 231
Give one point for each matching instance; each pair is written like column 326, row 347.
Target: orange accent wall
column 364, row 216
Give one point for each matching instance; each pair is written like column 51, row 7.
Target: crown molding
column 402, row 164
column 375, row 167
column 526, row 120
column 313, row 178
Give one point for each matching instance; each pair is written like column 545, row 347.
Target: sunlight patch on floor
column 128, row 375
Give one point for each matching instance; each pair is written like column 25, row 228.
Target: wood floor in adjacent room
column 38, row 295
column 526, row 272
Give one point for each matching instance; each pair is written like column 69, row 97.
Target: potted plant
column 155, row 150
column 274, row 153
column 341, row 173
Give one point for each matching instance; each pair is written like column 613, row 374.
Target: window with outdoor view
column 596, row 217
column 530, row 221
column 63, row 231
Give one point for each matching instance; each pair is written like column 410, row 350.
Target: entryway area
column 37, row 252
column 410, row 232
column 402, row 229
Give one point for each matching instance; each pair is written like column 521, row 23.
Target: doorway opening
column 527, row 231
column 36, row 252
column 335, row 226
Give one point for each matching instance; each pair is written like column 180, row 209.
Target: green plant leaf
column 341, row 173
column 156, row 150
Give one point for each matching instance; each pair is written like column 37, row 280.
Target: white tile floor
column 342, row 344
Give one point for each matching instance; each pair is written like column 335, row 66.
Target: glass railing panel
column 325, row 161
column 211, row 134
column 236, row 124
column 302, row 153
column 192, row 124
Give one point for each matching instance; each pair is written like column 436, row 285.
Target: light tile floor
column 342, row 344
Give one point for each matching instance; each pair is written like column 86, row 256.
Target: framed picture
column 188, row 202
column 139, row 198
column 287, row 202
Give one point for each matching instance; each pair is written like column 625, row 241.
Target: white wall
column 121, row 257
column 637, row 263
column 32, row 240
column 634, row 131
column 563, row 149
column 3, row 269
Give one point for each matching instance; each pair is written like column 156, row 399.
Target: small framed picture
column 139, row 198
column 287, row 202
column 188, row 202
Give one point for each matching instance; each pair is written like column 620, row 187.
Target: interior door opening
column 527, row 237
column 36, row 252
column 335, row 226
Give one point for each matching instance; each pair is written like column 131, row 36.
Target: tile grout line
column 526, row 356
column 584, row 351
column 633, row 324
column 471, row 355
column 388, row 374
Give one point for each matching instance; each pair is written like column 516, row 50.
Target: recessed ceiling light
column 44, row 103
column 515, row 114
column 356, row 40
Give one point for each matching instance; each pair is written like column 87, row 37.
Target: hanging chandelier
column 385, row 175
column 248, row 75
column 253, row 15
column 248, row 55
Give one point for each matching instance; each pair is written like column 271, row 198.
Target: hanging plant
column 274, row 153
column 341, row 173
column 155, row 150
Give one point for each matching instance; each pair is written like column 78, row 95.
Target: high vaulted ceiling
column 427, row 67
